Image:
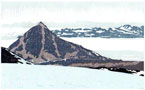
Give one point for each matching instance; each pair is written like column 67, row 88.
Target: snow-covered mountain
column 125, row 31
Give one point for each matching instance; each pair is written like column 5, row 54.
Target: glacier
column 22, row 76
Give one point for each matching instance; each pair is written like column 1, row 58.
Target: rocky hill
column 40, row 45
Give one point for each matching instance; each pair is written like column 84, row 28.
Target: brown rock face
column 39, row 45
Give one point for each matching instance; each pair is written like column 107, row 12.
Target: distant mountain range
column 125, row 31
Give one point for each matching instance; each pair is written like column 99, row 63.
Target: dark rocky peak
column 39, row 45
column 127, row 26
column 42, row 24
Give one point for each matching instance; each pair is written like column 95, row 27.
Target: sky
column 17, row 17
column 59, row 14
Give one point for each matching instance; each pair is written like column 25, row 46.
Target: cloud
column 64, row 12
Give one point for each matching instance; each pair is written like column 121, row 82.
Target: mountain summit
column 40, row 45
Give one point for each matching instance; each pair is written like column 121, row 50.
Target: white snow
column 123, row 54
column 59, row 33
column 141, row 72
column 126, row 29
column 100, row 31
column 96, row 53
column 23, row 61
column 125, row 32
column 67, row 33
column 16, row 76
column 128, row 32
column 81, row 31
column 109, row 44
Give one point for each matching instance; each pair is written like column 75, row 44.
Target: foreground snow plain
column 20, row 76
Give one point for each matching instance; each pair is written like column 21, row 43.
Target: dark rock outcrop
column 7, row 57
